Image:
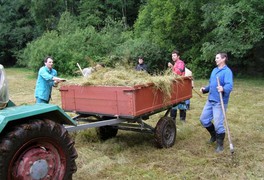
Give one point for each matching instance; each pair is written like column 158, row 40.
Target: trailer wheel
column 165, row 132
column 106, row 132
column 39, row 149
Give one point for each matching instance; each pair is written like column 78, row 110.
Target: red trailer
column 119, row 107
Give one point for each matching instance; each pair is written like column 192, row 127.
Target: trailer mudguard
column 36, row 111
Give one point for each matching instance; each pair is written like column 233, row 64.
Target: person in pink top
column 179, row 66
column 179, row 69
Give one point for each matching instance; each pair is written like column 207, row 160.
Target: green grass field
column 133, row 155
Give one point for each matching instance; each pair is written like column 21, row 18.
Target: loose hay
column 121, row 76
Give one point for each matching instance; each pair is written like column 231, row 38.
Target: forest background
column 118, row 31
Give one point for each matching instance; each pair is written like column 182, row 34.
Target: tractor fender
column 36, row 111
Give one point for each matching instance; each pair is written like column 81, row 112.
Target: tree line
column 118, row 31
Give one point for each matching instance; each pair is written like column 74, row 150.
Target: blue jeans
column 213, row 111
column 188, row 102
column 38, row 100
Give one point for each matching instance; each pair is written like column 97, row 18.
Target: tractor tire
column 106, row 132
column 38, row 149
column 165, row 132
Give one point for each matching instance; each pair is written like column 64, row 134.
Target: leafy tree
column 96, row 12
column 72, row 6
column 201, row 28
column 47, row 13
column 92, row 13
column 99, row 30
column 24, row 20
column 16, row 28
column 68, row 45
column 71, row 44
column 233, row 27
column 173, row 24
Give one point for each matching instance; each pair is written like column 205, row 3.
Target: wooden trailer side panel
column 97, row 100
column 122, row 100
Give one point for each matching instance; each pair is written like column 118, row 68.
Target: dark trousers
column 173, row 114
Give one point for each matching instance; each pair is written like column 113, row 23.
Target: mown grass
column 134, row 156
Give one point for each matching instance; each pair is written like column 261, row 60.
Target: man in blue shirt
column 212, row 109
column 47, row 78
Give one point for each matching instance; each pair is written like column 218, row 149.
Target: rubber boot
column 173, row 114
column 211, row 130
column 220, row 142
column 183, row 115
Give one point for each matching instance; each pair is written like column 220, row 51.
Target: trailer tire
column 106, row 132
column 165, row 132
column 38, row 149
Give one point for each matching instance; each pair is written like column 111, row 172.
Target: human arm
column 204, row 90
column 226, row 83
column 46, row 75
column 50, row 75
column 57, row 79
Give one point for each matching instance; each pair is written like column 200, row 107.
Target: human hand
column 220, row 88
column 58, row 80
column 202, row 89
column 56, row 84
column 169, row 64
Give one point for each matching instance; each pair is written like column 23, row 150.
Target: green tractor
column 34, row 143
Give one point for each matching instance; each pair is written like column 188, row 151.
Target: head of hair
column 46, row 58
column 223, row 55
column 175, row 52
column 140, row 57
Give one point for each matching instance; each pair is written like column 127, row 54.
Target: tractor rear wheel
column 39, row 149
column 165, row 132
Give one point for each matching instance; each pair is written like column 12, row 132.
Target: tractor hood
column 36, row 111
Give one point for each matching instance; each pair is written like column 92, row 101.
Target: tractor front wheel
column 39, row 149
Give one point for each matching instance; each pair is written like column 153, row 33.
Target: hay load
column 121, row 76
column 122, row 92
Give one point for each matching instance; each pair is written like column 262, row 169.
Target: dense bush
column 70, row 45
column 153, row 55
column 66, row 49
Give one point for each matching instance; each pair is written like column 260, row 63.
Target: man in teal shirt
column 47, row 78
